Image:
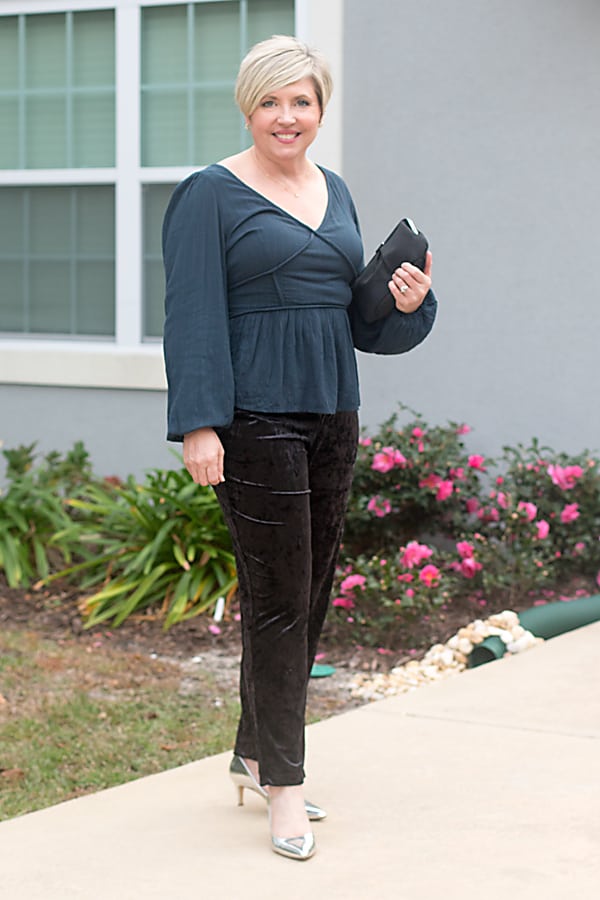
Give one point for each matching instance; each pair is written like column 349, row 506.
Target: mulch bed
column 54, row 613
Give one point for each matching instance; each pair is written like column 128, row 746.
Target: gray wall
column 481, row 121
column 124, row 431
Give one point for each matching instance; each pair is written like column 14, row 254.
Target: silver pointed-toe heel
column 243, row 778
column 314, row 813
column 300, row 848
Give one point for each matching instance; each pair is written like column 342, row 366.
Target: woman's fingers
column 428, row 263
column 409, row 285
column 203, row 456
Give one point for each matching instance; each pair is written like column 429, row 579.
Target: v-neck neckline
column 281, row 208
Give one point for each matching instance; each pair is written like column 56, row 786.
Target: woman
column 260, row 250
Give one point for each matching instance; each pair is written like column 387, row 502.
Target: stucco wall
column 480, row 120
column 124, row 431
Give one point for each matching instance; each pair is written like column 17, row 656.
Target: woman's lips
column 286, row 136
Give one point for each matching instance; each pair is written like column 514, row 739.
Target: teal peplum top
column 258, row 305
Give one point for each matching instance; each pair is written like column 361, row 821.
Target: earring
column 246, row 126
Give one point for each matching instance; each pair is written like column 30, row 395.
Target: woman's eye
column 268, row 103
column 303, row 103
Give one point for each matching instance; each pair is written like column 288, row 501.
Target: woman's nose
column 286, row 114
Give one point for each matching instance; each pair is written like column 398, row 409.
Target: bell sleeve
column 397, row 333
column 196, row 335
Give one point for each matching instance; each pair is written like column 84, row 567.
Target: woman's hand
column 409, row 285
column 203, row 456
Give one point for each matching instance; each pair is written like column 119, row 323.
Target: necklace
column 276, row 180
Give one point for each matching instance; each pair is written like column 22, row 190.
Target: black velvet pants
column 287, row 480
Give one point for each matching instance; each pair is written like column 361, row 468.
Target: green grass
column 77, row 718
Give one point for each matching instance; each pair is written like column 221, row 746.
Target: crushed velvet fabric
column 287, row 480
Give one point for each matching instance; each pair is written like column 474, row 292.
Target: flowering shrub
column 409, row 481
column 541, row 520
column 493, row 530
column 378, row 594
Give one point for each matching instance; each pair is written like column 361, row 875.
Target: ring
column 403, row 288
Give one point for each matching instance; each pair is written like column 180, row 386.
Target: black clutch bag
column 370, row 292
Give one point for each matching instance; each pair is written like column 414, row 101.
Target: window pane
column 9, row 134
column 216, row 41
column 46, row 56
column 267, row 17
column 46, row 137
column 165, row 129
column 95, row 296
column 49, row 297
column 57, row 72
column 217, row 125
column 11, row 222
column 50, row 221
column 95, row 222
column 12, row 315
column 154, row 297
column 93, row 49
column 164, row 45
column 93, row 130
column 9, row 48
column 155, row 200
column 57, row 260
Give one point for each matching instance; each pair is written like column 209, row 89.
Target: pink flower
column 351, row 582
column 476, row 462
column 469, row 567
column 564, row 477
column 578, row 548
column 543, row 529
column 569, row 513
column 472, row 505
column 387, row 459
column 406, row 577
column 488, row 515
column 365, row 442
column 530, row 510
column 379, row 507
column 214, row 629
column 430, row 575
column 414, row 553
column 409, row 592
column 499, row 480
column 344, row 602
column 465, row 549
column 463, row 429
column 432, row 481
column 458, row 473
column 502, row 500
column 444, row 490
column 418, row 433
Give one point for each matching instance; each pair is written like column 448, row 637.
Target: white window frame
column 128, row 361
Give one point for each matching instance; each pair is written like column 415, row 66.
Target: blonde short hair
column 277, row 62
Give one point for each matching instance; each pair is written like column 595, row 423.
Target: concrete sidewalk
column 485, row 785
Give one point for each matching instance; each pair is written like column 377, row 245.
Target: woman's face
column 286, row 121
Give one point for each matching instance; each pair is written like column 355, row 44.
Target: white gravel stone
column 443, row 660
